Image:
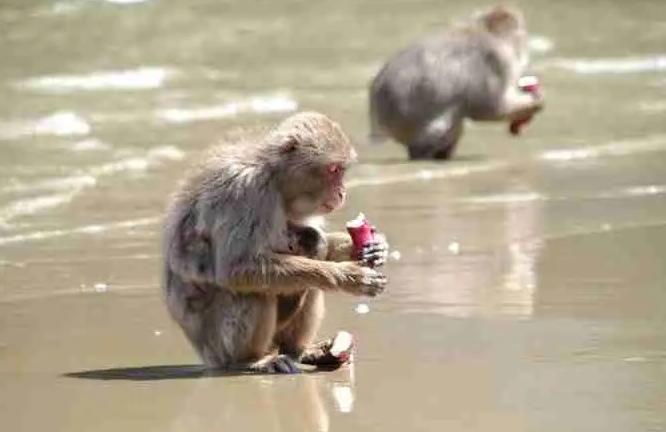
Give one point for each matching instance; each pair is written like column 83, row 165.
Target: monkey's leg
column 299, row 331
column 449, row 142
column 258, row 356
column 296, row 338
column 235, row 332
column 437, row 138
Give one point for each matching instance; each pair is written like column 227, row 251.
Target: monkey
column 307, row 240
column 227, row 269
column 423, row 93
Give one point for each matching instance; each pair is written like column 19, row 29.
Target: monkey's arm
column 340, row 247
column 282, row 274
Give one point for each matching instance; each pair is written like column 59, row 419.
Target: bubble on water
column 454, row 248
column 362, row 308
column 101, row 287
column 157, row 332
column 395, row 255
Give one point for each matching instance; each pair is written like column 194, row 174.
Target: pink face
column 336, row 193
column 318, row 195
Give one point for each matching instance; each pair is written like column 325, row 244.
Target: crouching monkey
column 232, row 280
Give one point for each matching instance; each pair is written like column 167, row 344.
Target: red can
column 360, row 231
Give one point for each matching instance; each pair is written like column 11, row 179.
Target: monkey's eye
column 335, row 168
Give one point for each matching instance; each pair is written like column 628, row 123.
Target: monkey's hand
column 362, row 281
column 374, row 253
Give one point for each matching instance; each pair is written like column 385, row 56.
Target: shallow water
column 529, row 289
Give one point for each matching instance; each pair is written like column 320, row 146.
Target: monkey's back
column 460, row 73
column 212, row 231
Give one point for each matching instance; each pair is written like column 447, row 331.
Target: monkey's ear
column 288, row 144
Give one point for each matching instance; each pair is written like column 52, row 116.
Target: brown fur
column 226, row 247
column 423, row 93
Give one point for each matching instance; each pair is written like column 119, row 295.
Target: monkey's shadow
column 157, row 373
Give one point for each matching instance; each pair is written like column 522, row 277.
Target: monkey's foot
column 330, row 354
column 516, row 126
column 281, row 364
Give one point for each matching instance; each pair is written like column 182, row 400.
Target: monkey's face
column 314, row 155
column 316, row 190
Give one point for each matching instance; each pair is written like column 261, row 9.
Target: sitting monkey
column 242, row 299
column 423, row 93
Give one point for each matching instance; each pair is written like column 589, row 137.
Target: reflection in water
column 523, row 237
column 482, row 264
column 268, row 403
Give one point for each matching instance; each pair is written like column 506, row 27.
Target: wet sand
column 530, row 287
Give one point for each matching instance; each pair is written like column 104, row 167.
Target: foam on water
column 61, row 123
column 613, row 148
column 28, row 206
column 504, row 198
column 612, row 65
column 636, row 191
column 144, row 78
column 126, row 2
column 168, row 153
column 86, row 229
column 59, row 183
column 257, row 104
column 652, row 106
column 430, row 174
column 68, row 187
